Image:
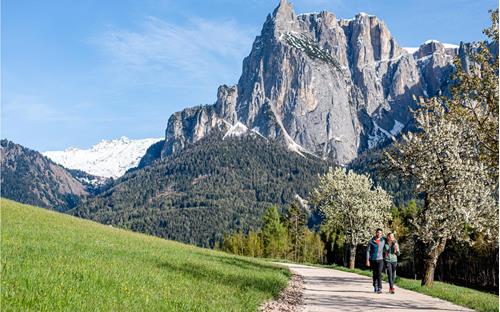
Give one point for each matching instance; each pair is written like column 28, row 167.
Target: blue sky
column 76, row 72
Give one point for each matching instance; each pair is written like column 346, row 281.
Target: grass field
column 54, row 262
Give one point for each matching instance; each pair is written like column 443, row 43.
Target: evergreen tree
column 274, row 234
column 296, row 223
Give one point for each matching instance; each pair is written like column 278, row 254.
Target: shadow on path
column 333, row 290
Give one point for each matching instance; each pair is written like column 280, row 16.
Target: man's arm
column 368, row 249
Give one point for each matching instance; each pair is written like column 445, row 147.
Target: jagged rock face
column 321, row 85
column 435, row 62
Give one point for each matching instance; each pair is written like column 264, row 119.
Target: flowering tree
column 457, row 189
column 349, row 202
column 474, row 100
column 453, row 158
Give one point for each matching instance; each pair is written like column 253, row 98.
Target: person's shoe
column 375, row 289
column 391, row 291
column 379, row 291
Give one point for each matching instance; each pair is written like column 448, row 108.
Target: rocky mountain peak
column 433, row 46
column 319, row 85
column 284, row 11
column 282, row 20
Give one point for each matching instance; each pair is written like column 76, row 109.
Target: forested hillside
column 213, row 187
column 31, row 178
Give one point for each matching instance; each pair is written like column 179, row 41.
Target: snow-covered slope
column 106, row 159
column 238, row 129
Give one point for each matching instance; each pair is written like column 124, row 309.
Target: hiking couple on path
column 382, row 252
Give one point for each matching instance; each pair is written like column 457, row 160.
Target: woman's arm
column 396, row 249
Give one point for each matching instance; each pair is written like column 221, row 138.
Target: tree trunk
column 430, row 262
column 352, row 256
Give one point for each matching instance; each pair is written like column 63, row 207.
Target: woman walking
column 391, row 253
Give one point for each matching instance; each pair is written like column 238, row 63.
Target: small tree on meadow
column 350, row 202
column 234, row 243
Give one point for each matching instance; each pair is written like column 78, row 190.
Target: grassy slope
column 52, row 262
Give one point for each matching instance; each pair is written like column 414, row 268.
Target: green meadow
column 54, row 262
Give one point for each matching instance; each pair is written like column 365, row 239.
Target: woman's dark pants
column 391, row 272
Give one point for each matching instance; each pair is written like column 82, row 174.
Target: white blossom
column 459, row 194
column 350, row 202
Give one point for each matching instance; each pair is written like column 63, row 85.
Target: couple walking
column 382, row 252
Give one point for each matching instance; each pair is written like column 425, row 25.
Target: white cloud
column 200, row 48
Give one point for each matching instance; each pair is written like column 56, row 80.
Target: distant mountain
column 31, row 178
column 110, row 159
column 219, row 184
column 321, row 85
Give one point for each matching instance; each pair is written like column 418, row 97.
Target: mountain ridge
column 330, row 87
column 31, row 178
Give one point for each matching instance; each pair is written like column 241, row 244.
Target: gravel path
column 289, row 300
column 333, row 290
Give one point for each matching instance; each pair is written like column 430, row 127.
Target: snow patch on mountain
column 364, row 14
column 256, row 130
column 236, row 130
column 379, row 135
column 450, row 46
column 410, row 50
column 308, row 13
column 108, row 158
column 291, row 144
column 398, row 126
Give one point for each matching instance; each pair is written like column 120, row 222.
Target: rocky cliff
column 321, row 85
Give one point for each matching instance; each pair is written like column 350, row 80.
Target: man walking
column 375, row 259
